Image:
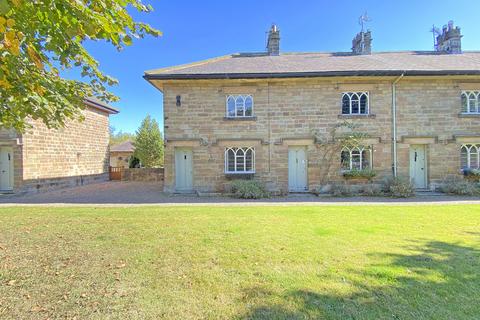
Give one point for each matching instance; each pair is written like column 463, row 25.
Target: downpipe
column 394, row 123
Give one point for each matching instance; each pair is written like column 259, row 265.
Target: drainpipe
column 394, row 122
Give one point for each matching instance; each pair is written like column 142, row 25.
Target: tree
column 40, row 38
column 120, row 136
column 149, row 143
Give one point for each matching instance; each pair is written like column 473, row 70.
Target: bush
column 399, row 188
column 460, row 187
column 365, row 173
column 472, row 174
column 372, row 190
column 341, row 190
column 249, row 189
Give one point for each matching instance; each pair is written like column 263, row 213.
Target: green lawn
column 244, row 263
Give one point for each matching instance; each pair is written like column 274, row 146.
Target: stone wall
column 120, row 159
column 143, row 174
column 74, row 155
column 288, row 111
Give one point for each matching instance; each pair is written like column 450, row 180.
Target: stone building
column 120, row 154
column 44, row 159
column 271, row 116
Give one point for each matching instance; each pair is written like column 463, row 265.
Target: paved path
column 121, row 194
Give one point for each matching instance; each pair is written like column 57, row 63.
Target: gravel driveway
column 115, row 193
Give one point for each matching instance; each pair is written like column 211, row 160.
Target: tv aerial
column 435, row 32
column 363, row 19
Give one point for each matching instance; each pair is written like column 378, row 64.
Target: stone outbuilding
column 44, row 159
column 120, row 154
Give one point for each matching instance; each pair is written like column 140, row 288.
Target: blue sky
column 196, row 30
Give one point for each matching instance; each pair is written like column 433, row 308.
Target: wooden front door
column 297, row 169
column 418, row 166
column 6, row 168
column 183, row 169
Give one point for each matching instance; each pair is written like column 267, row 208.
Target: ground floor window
column 240, row 160
column 356, row 158
column 470, row 156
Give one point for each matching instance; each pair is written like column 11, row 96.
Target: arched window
column 356, row 158
column 470, row 101
column 240, row 160
column 239, row 106
column 470, row 156
column 355, row 103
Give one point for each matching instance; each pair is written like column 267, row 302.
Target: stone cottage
column 120, row 154
column 273, row 116
column 44, row 159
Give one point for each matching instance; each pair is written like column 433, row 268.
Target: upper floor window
column 471, row 101
column 470, row 156
column 239, row 106
column 355, row 103
column 356, row 158
column 240, row 160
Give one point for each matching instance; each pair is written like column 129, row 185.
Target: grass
column 243, row 263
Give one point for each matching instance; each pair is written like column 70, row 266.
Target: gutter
column 282, row 75
column 394, row 123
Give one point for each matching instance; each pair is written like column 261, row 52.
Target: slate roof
column 126, row 146
column 99, row 104
column 261, row 65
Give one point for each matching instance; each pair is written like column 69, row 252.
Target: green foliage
column 372, row 190
column 341, row 190
column 133, row 162
column 365, row 173
column 249, row 189
column 472, row 174
column 399, row 187
column 460, row 187
column 149, row 143
column 40, row 39
column 120, row 136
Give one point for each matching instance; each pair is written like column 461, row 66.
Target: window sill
column 468, row 115
column 239, row 175
column 356, row 116
column 252, row 118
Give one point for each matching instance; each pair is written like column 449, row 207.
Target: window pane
column 355, row 104
column 363, row 104
column 240, row 103
column 356, row 164
column 474, row 158
column 240, row 163
column 249, row 160
column 464, row 102
column 345, row 104
column 230, row 160
column 472, row 100
column 248, row 106
column 366, row 159
column 345, row 160
column 231, row 107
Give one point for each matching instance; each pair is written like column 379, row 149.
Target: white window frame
column 235, row 99
column 476, row 106
column 235, row 149
column 360, row 150
column 357, row 95
column 471, row 149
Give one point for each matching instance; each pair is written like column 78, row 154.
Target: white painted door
column 6, row 168
column 297, row 169
column 183, row 169
column 418, row 166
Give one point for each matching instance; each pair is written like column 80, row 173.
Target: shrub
column 460, row 187
column 249, row 189
column 372, row 190
column 472, row 174
column 341, row 190
column 399, row 188
column 365, row 173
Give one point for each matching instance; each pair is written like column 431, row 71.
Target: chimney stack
column 362, row 43
column 273, row 42
column 450, row 41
